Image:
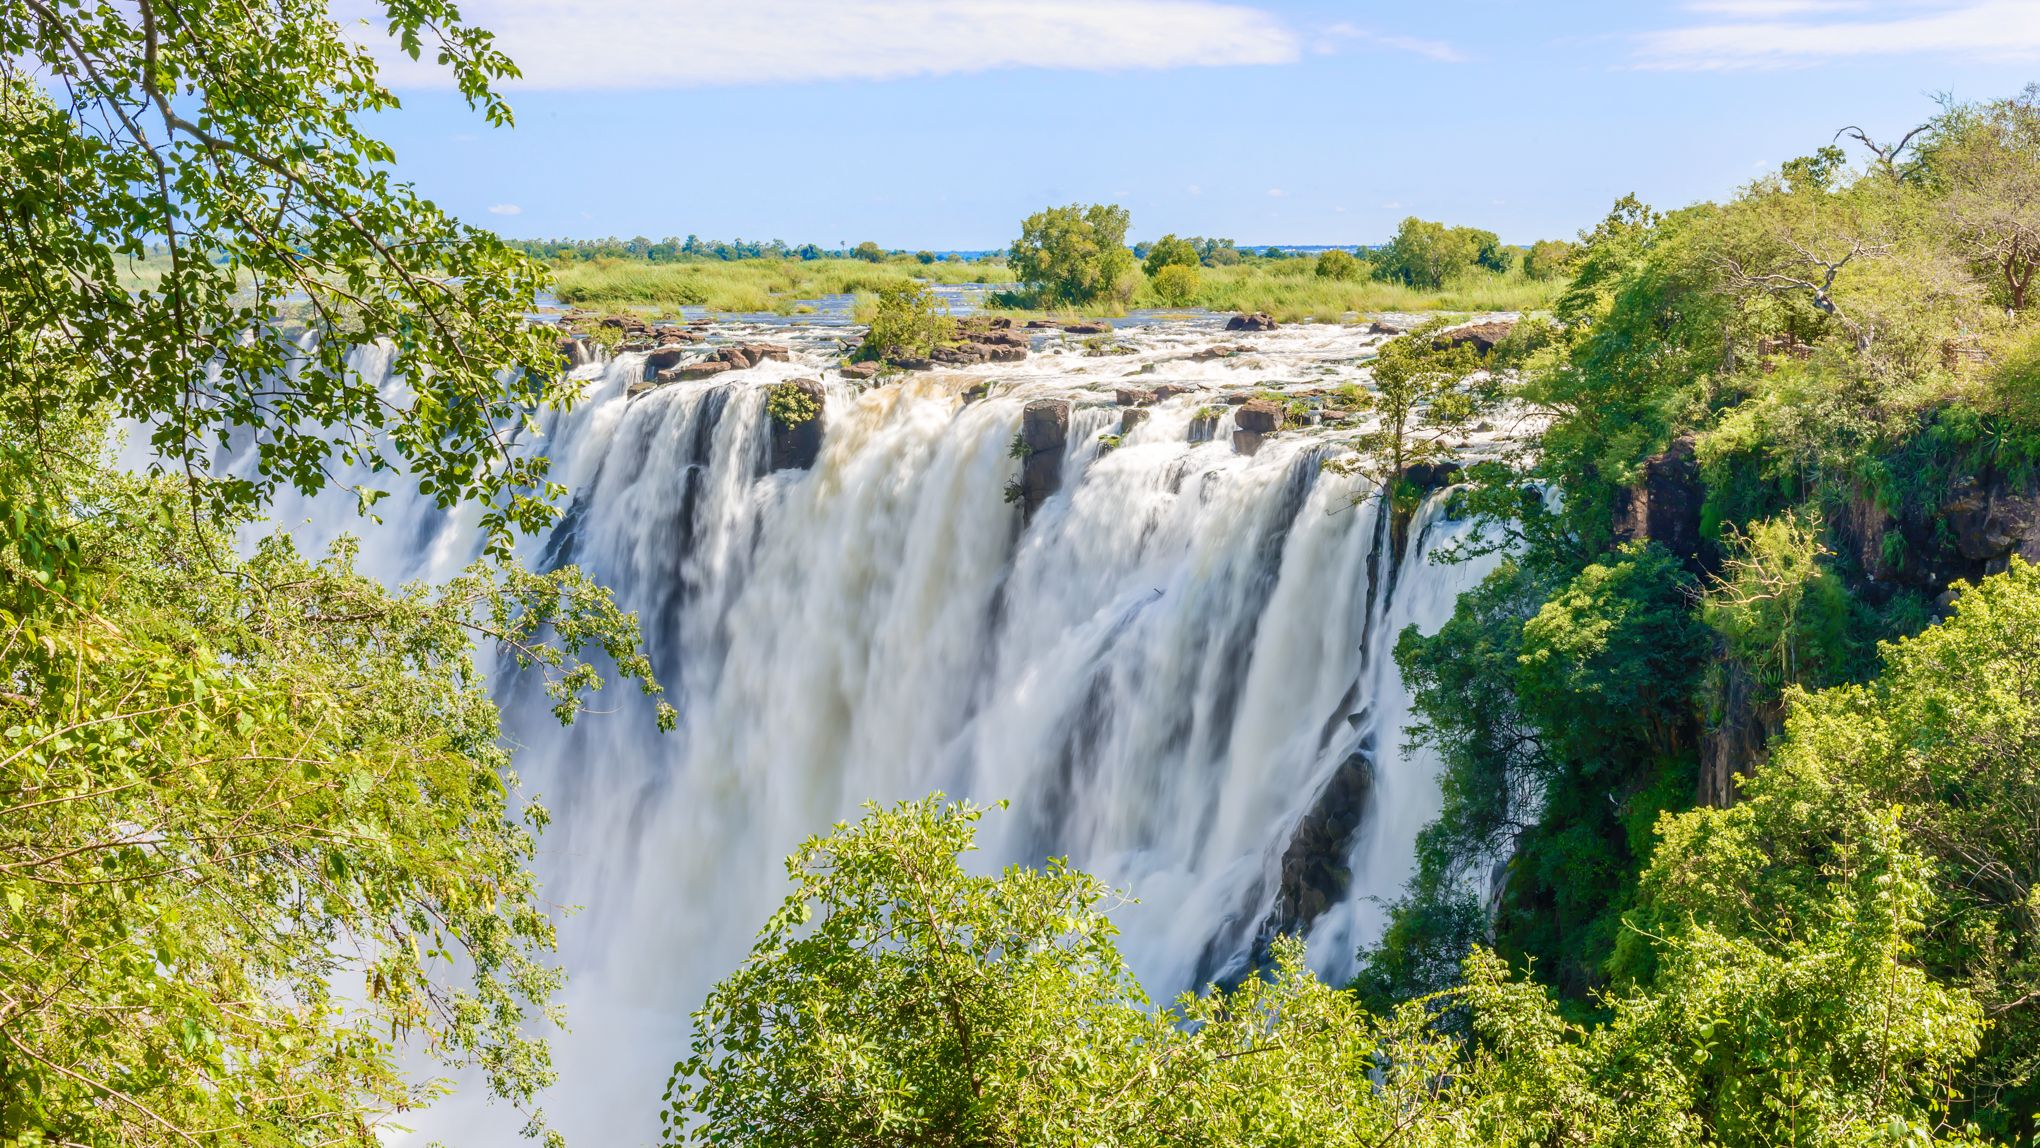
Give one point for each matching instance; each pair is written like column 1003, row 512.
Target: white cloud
column 1787, row 33
column 1196, row 190
column 1437, row 50
column 1277, row 193
column 585, row 44
column 506, row 209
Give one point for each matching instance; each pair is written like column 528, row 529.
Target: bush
column 1338, row 265
column 906, row 322
column 1176, row 284
column 1073, row 255
column 790, row 405
column 869, row 252
column 1548, row 259
column 1170, row 251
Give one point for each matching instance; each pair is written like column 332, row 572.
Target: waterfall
column 1178, row 668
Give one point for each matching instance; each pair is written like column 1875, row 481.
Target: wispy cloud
column 1437, row 50
column 1790, row 33
column 612, row 44
column 1277, row 193
column 505, row 209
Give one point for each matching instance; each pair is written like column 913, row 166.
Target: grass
column 1291, row 292
column 745, row 285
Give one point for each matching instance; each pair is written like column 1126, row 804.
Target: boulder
column 661, row 358
column 1131, row 418
column 914, row 364
column 1482, row 337
column 1087, row 327
column 1247, row 442
column 1219, row 351
column 744, row 356
column 1256, row 321
column 1133, row 397
column 964, row 355
column 1665, row 506
column 574, row 352
column 689, row 372
column 1259, row 416
column 1042, row 324
column 1386, row 327
column 796, row 446
column 1429, row 476
column 1044, row 433
column 860, row 372
column 1238, row 398
column 1168, row 391
column 1003, row 353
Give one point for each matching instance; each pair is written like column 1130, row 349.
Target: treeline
column 672, row 249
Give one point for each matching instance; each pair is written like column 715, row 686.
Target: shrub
column 869, row 252
column 790, row 404
column 907, row 321
column 1170, row 251
column 1176, row 284
column 1548, row 259
column 1336, row 264
column 1073, row 255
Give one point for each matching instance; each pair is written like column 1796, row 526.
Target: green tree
column 1427, row 254
column 1337, row 264
column 910, row 322
column 1990, row 160
column 1073, row 256
column 231, row 781
column 869, row 252
column 1176, row 284
column 1169, row 251
column 1547, row 259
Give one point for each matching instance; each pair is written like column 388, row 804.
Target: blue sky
column 940, row 123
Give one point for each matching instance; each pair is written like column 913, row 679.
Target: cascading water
column 1178, row 669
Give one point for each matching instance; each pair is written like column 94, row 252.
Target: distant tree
column 1990, row 162
column 1338, row 264
column 910, row 322
column 1427, row 254
column 924, row 257
column 1073, row 255
column 1169, row 251
column 808, row 251
column 1176, row 284
column 1548, row 259
column 1217, row 252
column 869, row 252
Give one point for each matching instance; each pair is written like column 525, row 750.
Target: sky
column 940, row 124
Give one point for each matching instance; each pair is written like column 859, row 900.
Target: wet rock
column 574, row 352
column 1219, row 351
column 1386, row 327
column 1131, row 418
column 959, row 356
column 1238, row 398
column 658, row 360
column 1087, row 327
column 1737, row 742
column 690, row 372
column 1334, row 418
column 1429, row 476
column 914, row 364
column 860, row 372
column 744, row 356
column 1204, row 425
column 1314, row 875
column 1482, row 337
column 1247, row 442
column 1256, row 321
column 1167, row 391
column 1665, row 507
column 1042, row 324
column 1133, row 397
column 1259, row 416
column 1004, row 353
column 795, row 446
column 1044, row 433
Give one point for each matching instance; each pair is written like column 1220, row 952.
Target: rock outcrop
column 1314, row 875
column 744, row 356
column 1044, row 432
column 1665, row 506
column 860, row 372
column 1262, row 416
column 1482, row 337
column 795, row 446
column 1256, row 321
column 692, row 372
column 1993, row 521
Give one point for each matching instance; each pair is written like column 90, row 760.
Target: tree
column 1176, row 284
column 1169, row 251
column 869, row 252
column 1426, row 254
column 909, row 323
column 1338, row 265
column 1548, row 259
column 1991, row 164
column 1073, row 256
column 229, row 781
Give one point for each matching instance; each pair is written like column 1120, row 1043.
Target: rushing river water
column 1178, row 670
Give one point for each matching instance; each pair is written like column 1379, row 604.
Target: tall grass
column 745, row 284
column 1290, row 291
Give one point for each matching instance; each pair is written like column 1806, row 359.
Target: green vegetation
column 1336, row 264
column 229, row 784
column 1175, row 284
column 746, row 286
column 790, row 404
column 1073, row 256
column 1170, row 251
column 1426, row 254
column 906, row 323
column 1836, row 355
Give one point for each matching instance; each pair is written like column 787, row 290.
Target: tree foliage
column 1073, row 256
